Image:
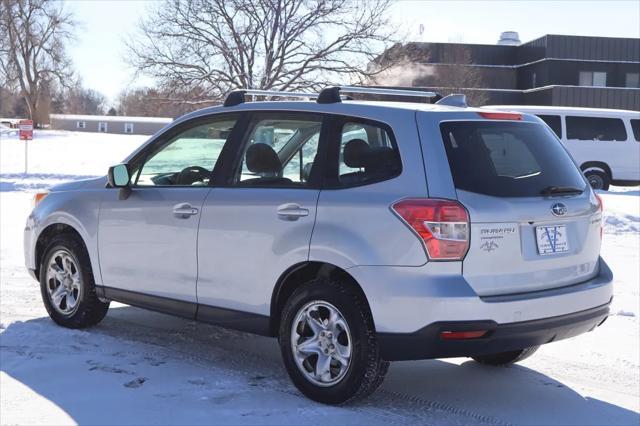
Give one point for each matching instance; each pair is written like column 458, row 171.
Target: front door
column 147, row 242
column 261, row 221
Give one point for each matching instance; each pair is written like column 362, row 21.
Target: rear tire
column 67, row 285
column 503, row 359
column 598, row 179
column 342, row 340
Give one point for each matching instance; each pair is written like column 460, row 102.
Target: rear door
column 535, row 223
column 259, row 222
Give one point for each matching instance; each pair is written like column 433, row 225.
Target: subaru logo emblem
column 559, row 209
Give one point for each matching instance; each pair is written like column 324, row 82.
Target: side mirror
column 118, row 176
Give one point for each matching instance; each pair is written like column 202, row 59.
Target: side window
column 554, row 122
column 280, row 150
column 595, row 129
column 367, row 154
column 188, row 158
column 635, row 126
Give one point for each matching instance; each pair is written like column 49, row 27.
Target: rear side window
column 280, row 150
column 635, row 125
column 554, row 122
column 367, row 154
column 595, row 129
column 507, row 159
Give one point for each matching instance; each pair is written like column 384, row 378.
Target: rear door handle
column 184, row 210
column 292, row 211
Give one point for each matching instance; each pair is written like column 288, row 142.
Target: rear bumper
column 406, row 299
column 426, row 343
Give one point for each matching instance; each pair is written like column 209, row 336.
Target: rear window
column 635, row 125
column 596, row 129
column 507, row 159
column 553, row 121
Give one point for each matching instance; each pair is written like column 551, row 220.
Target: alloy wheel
column 64, row 285
column 321, row 343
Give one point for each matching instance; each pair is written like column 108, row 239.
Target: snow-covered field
column 139, row 367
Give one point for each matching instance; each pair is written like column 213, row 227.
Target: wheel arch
column 297, row 275
column 48, row 233
column 596, row 165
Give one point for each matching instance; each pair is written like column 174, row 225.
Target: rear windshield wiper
column 556, row 190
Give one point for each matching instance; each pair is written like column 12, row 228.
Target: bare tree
column 212, row 46
column 458, row 75
column 80, row 100
column 151, row 102
column 32, row 52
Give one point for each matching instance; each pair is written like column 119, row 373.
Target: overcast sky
column 99, row 54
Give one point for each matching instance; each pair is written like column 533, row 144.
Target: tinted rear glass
column 635, row 125
column 507, row 159
column 596, row 129
column 553, row 121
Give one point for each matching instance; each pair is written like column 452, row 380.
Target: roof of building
column 111, row 118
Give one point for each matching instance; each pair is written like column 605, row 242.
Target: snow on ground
column 140, row 367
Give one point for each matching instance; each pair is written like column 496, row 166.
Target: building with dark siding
column 560, row 70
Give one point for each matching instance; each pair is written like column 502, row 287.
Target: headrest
column 262, row 158
column 355, row 153
column 382, row 158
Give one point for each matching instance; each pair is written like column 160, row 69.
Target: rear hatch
column 535, row 223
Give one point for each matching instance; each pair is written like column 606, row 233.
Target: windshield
column 507, row 159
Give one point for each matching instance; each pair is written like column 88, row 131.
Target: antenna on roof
column 455, row 100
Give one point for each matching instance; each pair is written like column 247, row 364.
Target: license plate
column 552, row 239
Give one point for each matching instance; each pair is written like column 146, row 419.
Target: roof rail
column 236, row 97
column 331, row 95
column 455, row 100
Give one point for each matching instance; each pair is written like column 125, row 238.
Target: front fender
column 77, row 209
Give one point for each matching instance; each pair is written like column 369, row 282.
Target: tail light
column 600, row 203
column 443, row 225
column 601, row 208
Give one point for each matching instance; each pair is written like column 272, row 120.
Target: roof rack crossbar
column 237, row 97
column 332, row 94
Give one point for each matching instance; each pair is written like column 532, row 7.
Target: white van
column 604, row 142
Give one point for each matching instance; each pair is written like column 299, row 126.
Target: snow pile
column 621, row 210
column 59, row 155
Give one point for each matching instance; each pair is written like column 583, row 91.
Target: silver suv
column 356, row 232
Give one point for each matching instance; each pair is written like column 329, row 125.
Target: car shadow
column 472, row 392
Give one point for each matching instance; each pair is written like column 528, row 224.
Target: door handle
column 292, row 211
column 184, row 210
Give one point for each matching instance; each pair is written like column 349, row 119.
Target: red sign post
column 26, row 130
column 26, row 134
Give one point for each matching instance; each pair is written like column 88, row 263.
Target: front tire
column 67, row 285
column 328, row 343
column 503, row 359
